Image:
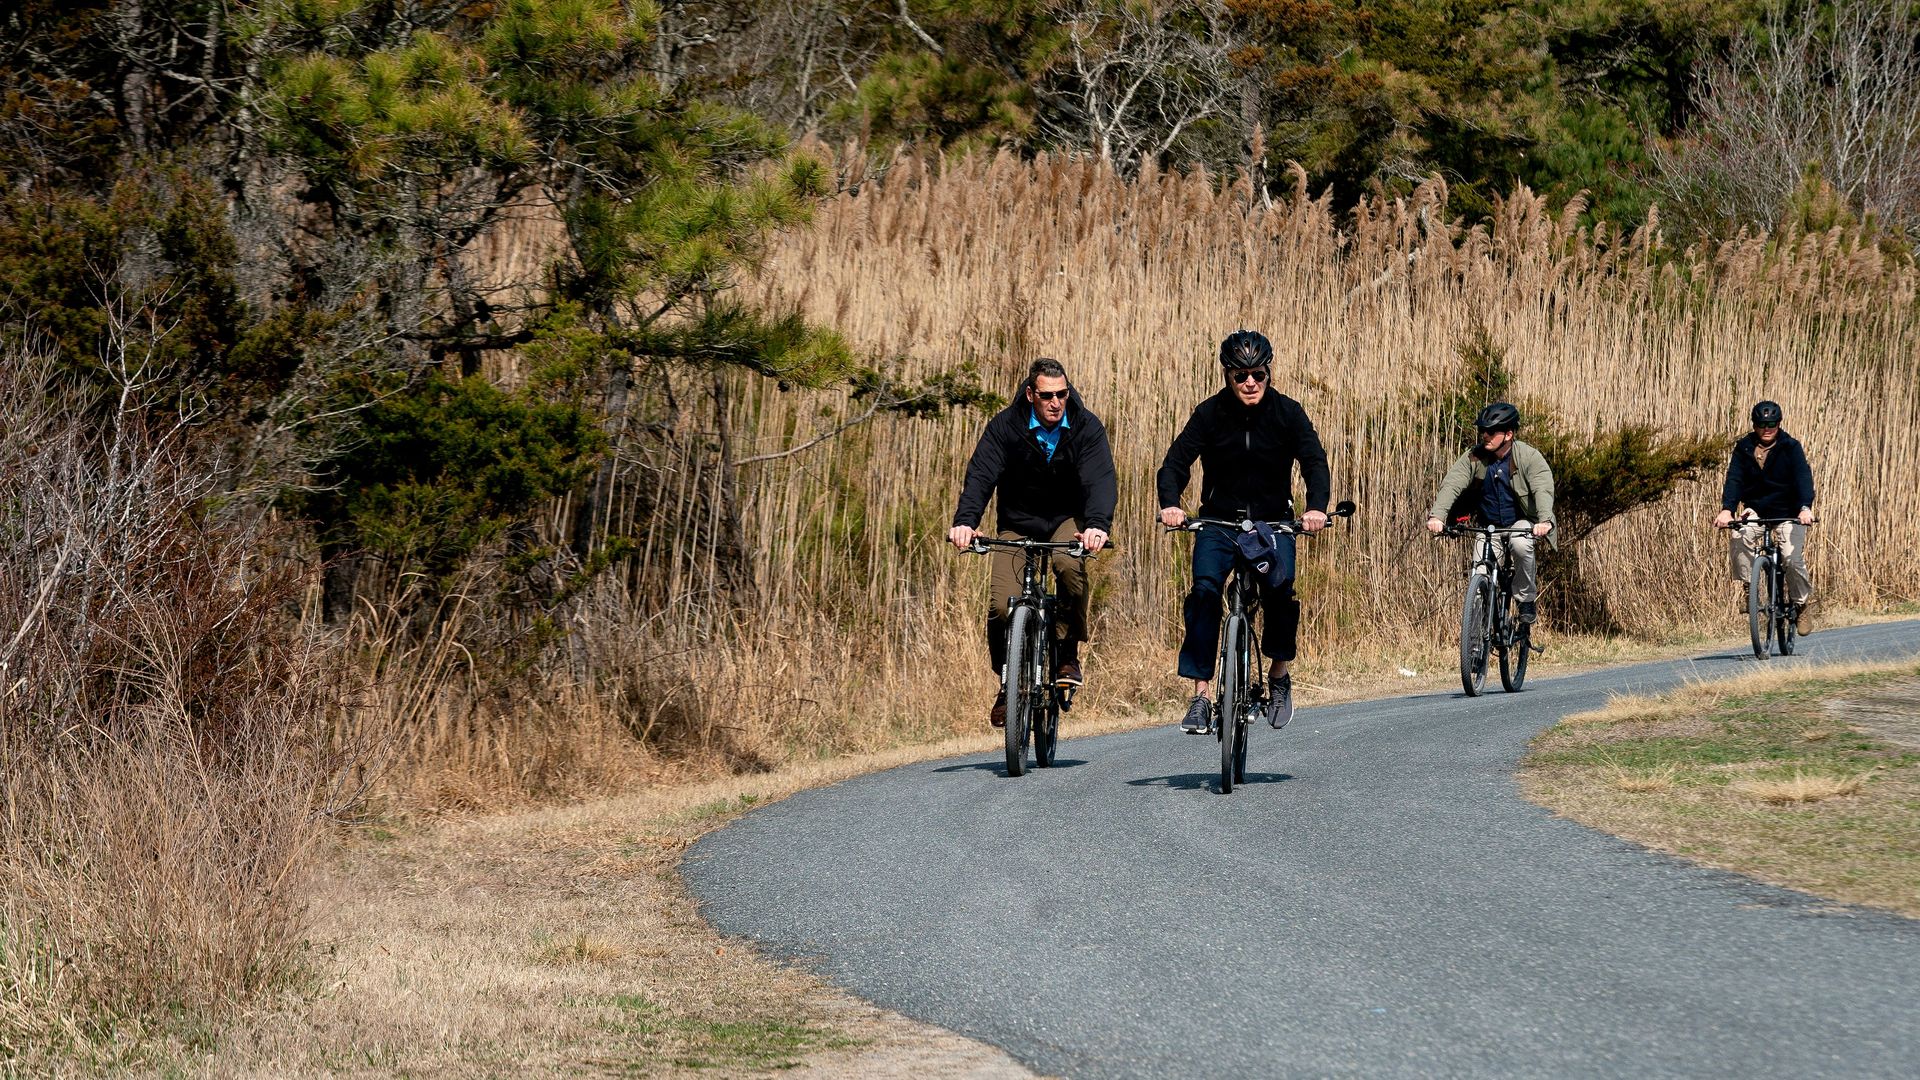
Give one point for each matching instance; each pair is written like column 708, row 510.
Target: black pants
column 1214, row 554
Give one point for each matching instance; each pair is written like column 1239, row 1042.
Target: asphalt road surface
column 1377, row 900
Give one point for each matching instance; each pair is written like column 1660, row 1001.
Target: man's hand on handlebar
column 1092, row 539
column 1541, row 529
column 1723, row 520
column 1172, row 517
column 1313, row 521
column 1805, row 517
column 962, row 536
column 1436, row 526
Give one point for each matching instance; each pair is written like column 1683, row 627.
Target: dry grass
column 558, row 942
column 1751, row 775
column 1801, row 787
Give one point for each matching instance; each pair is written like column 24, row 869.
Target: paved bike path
column 1377, row 900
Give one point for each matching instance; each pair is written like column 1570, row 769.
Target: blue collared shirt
column 1048, row 437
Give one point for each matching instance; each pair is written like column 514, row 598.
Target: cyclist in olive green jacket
column 1514, row 490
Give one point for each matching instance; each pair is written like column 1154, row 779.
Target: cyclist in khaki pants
column 1770, row 475
column 1046, row 457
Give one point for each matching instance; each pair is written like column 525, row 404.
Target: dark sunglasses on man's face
column 1256, row 375
column 1050, row 395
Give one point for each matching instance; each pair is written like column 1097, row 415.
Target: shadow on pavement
column 1000, row 765
column 1205, row 781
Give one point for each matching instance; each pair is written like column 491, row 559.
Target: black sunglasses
column 1049, row 395
column 1258, row 375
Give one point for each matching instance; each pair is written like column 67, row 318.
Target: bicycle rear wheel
column 1760, row 607
column 1232, row 703
column 1019, row 686
column 1046, row 730
column 1514, row 655
column 1474, row 634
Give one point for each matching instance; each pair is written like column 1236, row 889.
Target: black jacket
column 1036, row 495
column 1777, row 491
column 1247, row 456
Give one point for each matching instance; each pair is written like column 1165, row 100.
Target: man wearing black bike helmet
column 1502, row 482
column 1046, row 459
column 1247, row 439
column 1770, row 475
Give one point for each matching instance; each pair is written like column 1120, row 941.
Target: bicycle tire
column 1514, row 657
column 1232, row 689
column 1783, row 629
column 1474, row 643
column 1046, row 731
column 1760, row 607
column 1019, row 686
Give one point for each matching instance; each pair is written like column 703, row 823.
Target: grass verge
column 1807, row 778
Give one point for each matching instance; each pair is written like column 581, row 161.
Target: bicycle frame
column 1770, row 624
column 1486, row 626
column 1034, row 701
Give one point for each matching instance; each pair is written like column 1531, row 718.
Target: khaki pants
column 1521, row 548
column 1744, row 544
column 1070, row 583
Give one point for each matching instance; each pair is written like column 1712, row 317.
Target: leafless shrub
column 1823, row 94
column 165, row 762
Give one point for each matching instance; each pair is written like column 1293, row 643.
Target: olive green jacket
column 1532, row 485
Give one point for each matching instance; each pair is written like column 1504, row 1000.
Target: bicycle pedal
column 1536, row 648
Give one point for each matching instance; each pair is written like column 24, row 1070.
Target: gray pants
column 1521, row 548
column 1792, row 538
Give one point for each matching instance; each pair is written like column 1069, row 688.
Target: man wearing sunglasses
column 1247, row 439
column 1769, row 473
column 1046, row 456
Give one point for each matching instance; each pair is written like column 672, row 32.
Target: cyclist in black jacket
column 1046, row 455
column 1247, row 438
column 1770, row 475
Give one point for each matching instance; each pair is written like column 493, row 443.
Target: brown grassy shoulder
column 1801, row 777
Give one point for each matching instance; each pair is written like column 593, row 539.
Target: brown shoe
column 998, row 716
column 1067, row 674
column 1803, row 620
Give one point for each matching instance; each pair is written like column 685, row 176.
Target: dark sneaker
column 998, row 717
column 1280, row 702
column 1199, row 718
column 1529, row 611
column 1067, row 673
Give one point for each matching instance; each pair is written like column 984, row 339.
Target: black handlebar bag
column 1270, row 553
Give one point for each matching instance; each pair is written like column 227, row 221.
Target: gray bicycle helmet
column 1246, row 349
column 1766, row 413
column 1498, row 416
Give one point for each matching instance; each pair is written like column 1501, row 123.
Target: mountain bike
column 1240, row 694
column 1034, row 700
column 1770, row 616
column 1489, row 615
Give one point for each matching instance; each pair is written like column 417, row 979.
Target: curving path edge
column 1377, row 900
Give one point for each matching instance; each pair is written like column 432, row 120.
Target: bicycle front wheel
column 1019, row 686
column 1475, row 634
column 1783, row 631
column 1760, row 607
column 1232, row 700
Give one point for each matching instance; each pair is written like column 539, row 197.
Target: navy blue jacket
column 1247, row 456
column 1777, row 491
column 1036, row 494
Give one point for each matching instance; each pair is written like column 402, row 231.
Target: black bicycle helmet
column 1498, row 416
column 1246, row 349
column 1766, row 413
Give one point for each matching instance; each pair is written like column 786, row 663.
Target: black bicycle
column 1034, row 700
column 1240, row 694
column 1771, row 617
column 1489, row 616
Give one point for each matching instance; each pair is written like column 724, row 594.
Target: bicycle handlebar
column 983, row 544
column 1297, row 527
column 1765, row 522
column 1483, row 530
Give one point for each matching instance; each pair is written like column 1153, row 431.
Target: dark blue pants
column 1214, row 554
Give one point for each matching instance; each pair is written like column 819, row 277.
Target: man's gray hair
column 1047, row 366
